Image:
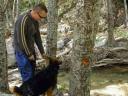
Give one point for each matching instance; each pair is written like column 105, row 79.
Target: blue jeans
column 25, row 66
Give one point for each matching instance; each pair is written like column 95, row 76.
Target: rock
column 100, row 53
column 112, row 90
column 121, row 42
column 100, row 40
column 5, row 94
column 63, row 27
column 60, row 44
column 64, row 43
column 66, row 94
column 118, row 52
column 111, row 53
column 10, row 52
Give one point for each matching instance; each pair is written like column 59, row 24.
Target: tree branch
column 5, row 5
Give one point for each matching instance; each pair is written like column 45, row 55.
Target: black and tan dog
column 43, row 82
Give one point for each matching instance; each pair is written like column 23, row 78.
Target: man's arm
column 39, row 42
column 23, row 30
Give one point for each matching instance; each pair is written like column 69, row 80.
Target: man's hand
column 31, row 57
column 44, row 56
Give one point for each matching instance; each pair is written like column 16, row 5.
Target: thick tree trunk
column 3, row 54
column 52, row 27
column 52, row 30
column 110, row 42
column 82, row 49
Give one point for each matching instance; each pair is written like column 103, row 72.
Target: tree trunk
column 15, row 11
column 9, row 15
column 52, row 27
column 3, row 54
column 17, row 8
column 110, row 42
column 82, row 49
column 126, row 12
column 52, row 30
column 95, row 19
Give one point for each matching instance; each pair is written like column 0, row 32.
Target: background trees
column 88, row 22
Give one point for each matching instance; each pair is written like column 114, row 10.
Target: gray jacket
column 27, row 33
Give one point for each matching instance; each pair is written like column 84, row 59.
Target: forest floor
column 105, row 79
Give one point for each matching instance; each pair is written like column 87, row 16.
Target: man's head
column 39, row 11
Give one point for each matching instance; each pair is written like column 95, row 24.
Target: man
column 27, row 33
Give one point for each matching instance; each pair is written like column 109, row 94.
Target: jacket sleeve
column 39, row 42
column 23, row 31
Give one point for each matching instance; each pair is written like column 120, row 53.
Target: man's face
column 41, row 15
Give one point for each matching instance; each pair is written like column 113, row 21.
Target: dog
column 42, row 83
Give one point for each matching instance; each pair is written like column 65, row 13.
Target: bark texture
column 3, row 53
column 110, row 42
column 52, row 27
column 82, row 48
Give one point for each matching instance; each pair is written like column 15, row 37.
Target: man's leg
column 26, row 67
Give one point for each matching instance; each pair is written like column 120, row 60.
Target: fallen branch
column 111, row 62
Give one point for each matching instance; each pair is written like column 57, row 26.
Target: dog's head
column 54, row 61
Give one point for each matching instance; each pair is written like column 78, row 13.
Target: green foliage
column 63, row 5
column 24, row 5
column 121, row 32
column 28, row 4
column 63, row 87
column 63, row 83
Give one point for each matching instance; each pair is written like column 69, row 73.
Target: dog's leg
column 49, row 92
column 12, row 90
